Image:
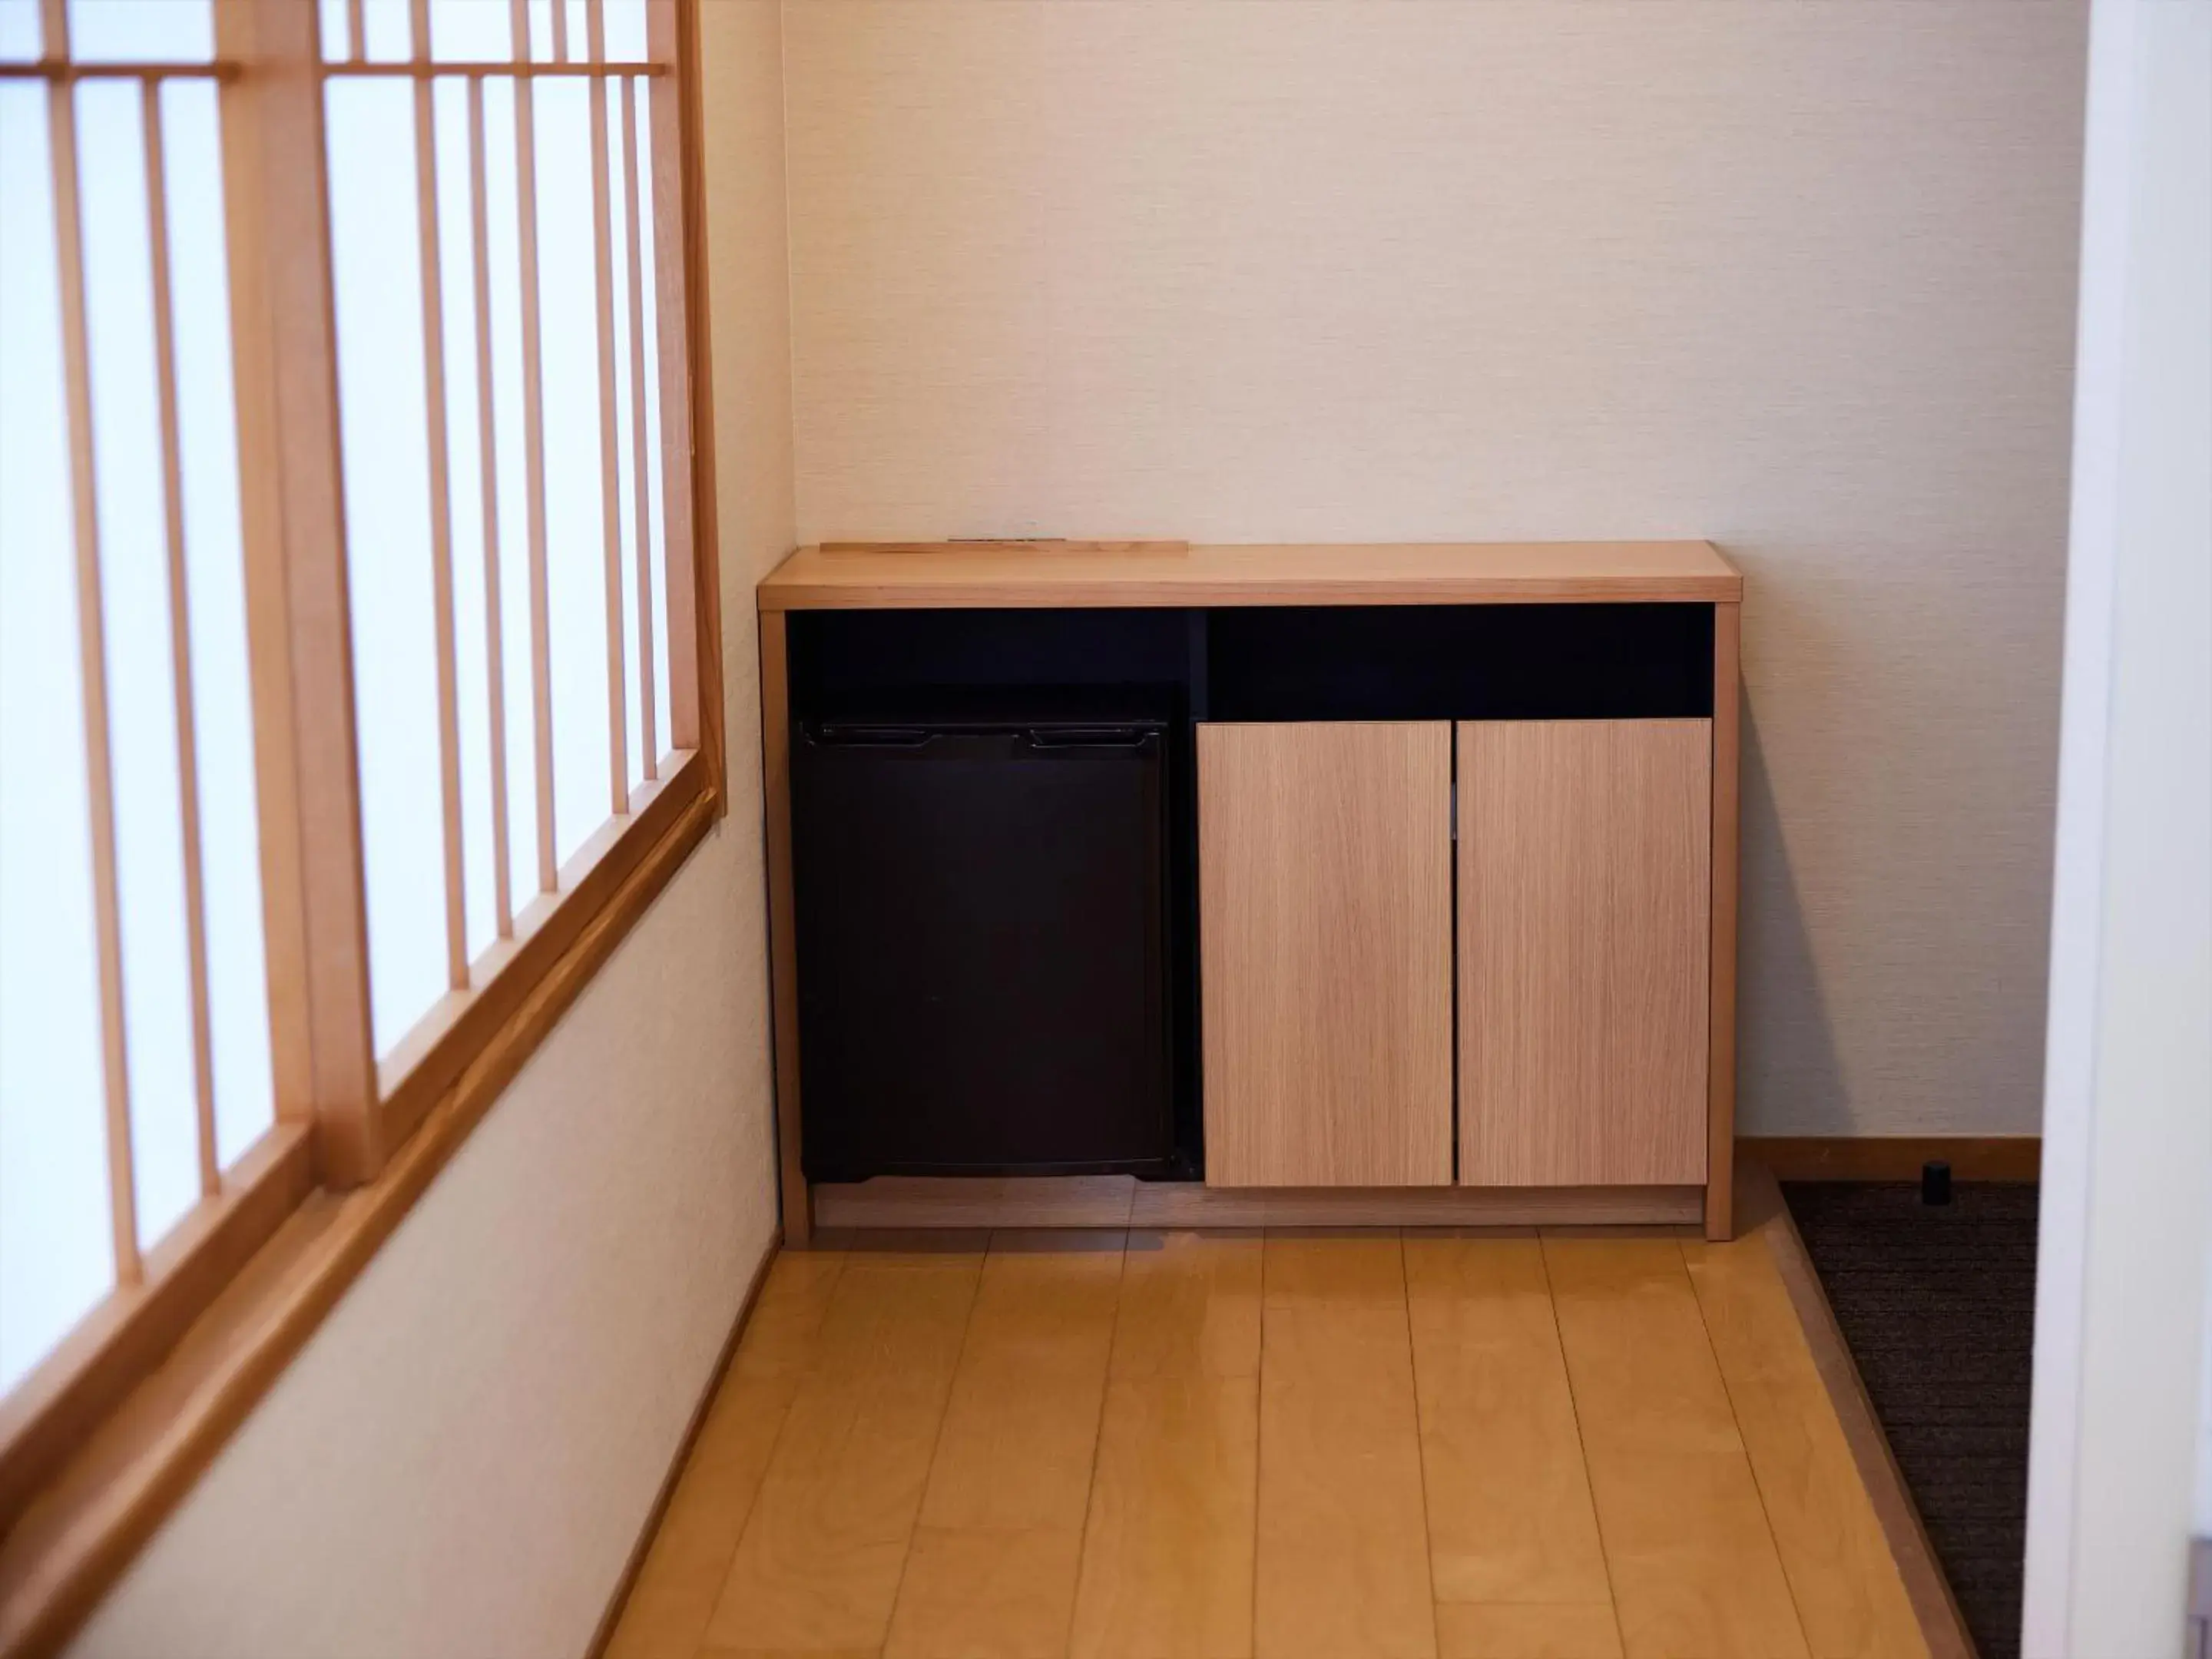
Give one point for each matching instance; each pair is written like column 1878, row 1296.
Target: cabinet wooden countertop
column 857, row 576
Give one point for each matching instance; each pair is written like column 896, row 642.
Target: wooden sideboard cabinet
column 1410, row 878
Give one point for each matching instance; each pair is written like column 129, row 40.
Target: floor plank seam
column 1420, row 1446
column 1582, row 1442
column 1097, row 1429
column 936, row 1441
column 1259, row 1443
column 775, row 1441
column 1736, row 1417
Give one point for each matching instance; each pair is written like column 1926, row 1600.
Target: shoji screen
column 499, row 177
column 134, row 1014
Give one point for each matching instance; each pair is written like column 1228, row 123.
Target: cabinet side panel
column 1720, row 1167
column 1584, row 945
column 1325, row 926
column 782, row 923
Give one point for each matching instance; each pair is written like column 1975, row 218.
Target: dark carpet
column 1937, row 1303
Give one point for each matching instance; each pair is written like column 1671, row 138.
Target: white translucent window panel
column 541, row 30
column 656, row 482
column 625, row 27
column 222, row 725
column 464, row 483
column 376, row 279
column 471, row 31
column 56, row 1257
column 19, row 32
column 634, row 754
column 142, row 31
column 387, row 31
column 512, row 471
column 141, row 672
column 575, row 546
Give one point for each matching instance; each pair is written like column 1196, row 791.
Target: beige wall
column 1798, row 277
column 458, row 1464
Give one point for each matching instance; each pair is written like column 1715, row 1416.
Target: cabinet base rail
column 1125, row 1201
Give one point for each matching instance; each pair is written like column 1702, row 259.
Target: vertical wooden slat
column 486, row 466
column 275, row 186
column 702, row 558
column 782, row 926
column 648, row 738
column 1720, row 1073
column 357, row 30
column 610, row 493
column 180, row 632
column 533, row 440
column 92, row 654
column 268, row 618
column 560, row 8
column 676, row 342
column 442, row 523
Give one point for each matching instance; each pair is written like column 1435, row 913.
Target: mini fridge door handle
column 1104, row 737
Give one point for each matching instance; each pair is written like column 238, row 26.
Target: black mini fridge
column 982, row 923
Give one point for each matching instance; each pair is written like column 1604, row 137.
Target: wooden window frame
column 99, row 1441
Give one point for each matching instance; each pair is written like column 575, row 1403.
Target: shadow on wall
column 1790, row 1075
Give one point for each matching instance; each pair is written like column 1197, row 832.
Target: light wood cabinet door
column 1325, row 930
column 1585, row 875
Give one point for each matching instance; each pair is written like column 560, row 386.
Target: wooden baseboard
column 1125, row 1201
column 1760, row 1209
column 651, row 1528
column 1895, row 1158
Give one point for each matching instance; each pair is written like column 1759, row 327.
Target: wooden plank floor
column 1134, row 1445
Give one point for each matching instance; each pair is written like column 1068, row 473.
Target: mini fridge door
column 982, row 918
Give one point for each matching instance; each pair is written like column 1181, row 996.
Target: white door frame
column 2127, row 1170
